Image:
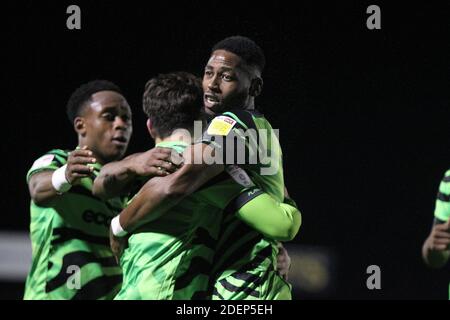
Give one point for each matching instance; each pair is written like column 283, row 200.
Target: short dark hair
column 245, row 48
column 83, row 94
column 173, row 101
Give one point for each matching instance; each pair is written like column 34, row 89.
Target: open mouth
column 211, row 99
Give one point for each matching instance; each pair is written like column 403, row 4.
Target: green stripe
column 235, row 117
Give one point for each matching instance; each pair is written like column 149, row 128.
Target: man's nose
column 120, row 123
column 213, row 84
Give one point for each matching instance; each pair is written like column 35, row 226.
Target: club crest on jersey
column 43, row 161
column 221, row 126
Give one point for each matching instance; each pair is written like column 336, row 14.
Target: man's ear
column 79, row 124
column 150, row 128
column 256, row 87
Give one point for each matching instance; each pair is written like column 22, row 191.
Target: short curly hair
column 245, row 48
column 83, row 94
column 173, row 101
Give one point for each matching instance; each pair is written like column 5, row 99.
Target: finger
column 81, row 152
column 76, row 176
column 161, row 156
column 439, row 247
column 162, row 150
column 441, row 241
column 168, row 166
column 80, row 169
column 82, row 160
column 447, row 224
column 441, row 234
column 161, row 172
column 160, row 153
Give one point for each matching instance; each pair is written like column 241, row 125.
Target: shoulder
column 224, row 123
column 447, row 176
column 51, row 160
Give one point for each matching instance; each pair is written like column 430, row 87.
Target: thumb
column 447, row 224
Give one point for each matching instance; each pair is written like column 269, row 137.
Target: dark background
column 363, row 114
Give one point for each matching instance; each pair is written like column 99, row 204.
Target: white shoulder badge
column 240, row 176
column 221, row 126
column 43, row 161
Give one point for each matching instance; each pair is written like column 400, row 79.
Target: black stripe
column 216, row 293
column 443, row 197
column 259, row 258
column 446, row 179
column 66, row 234
column 232, row 288
column 240, row 228
column 250, row 280
column 203, row 237
column 79, row 259
column 98, row 288
column 199, row 295
column 239, row 201
column 85, row 192
column 59, row 163
column 245, row 276
column 290, row 202
column 244, row 116
column 437, row 221
column 197, row 266
column 59, row 154
column 237, row 254
column 264, row 278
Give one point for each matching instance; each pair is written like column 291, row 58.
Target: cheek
column 229, row 90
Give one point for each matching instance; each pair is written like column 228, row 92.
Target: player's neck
column 250, row 105
column 178, row 135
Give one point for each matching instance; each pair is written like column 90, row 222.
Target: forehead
column 108, row 99
column 223, row 58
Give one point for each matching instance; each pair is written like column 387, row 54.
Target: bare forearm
column 41, row 189
column 149, row 204
column 115, row 179
column 160, row 194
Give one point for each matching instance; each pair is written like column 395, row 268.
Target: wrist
column 117, row 228
column 59, row 180
column 130, row 169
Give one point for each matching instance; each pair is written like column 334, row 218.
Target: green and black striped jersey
column 70, row 241
column 171, row 257
column 245, row 261
column 442, row 209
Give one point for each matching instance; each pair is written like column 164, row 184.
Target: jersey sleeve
column 234, row 137
column 52, row 160
column 442, row 209
column 278, row 221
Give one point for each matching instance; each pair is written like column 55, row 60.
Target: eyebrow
column 222, row 68
column 115, row 108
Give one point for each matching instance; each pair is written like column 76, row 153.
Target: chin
column 116, row 155
column 214, row 110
